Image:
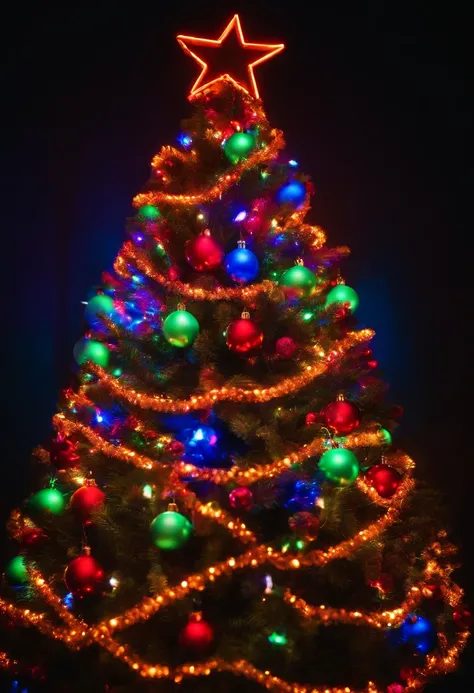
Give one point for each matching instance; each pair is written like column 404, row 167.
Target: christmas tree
column 221, row 504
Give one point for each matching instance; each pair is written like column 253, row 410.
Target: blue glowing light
column 240, row 216
column 185, row 140
column 68, row 600
column 99, row 418
column 206, row 433
column 293, row 163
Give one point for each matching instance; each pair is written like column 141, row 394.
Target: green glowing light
column 117, row 372
column 307, row 316
column 277, row 639
column 300, row 544
column 148, row 491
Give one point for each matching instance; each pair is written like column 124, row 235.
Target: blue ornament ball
column 241, row 265
column 292, row 193
column 417, row 632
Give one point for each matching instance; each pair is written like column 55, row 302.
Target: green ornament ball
column 180, row 328
column 47, row 500
column 386, row 436
column 343, row 294
column 91, row 350
column 149, row 213
column 170, row 530
column 238, row 146
column 16, row 573
column 340, row 466
column 99, row 306
column 298, row 282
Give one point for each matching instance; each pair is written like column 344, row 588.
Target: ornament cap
column 206, row 232
column 172, row 508
column 340, row 397
column 245, row 315
column 339, row 279
column 86, row 550
column 241, row 243
column 181, row 306
column 299, row 261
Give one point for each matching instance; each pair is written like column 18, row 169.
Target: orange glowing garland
column 131, row 253
column 259, row 156
column 79, row 634
column 236, row 394
column 75, row 633
column 217, row 476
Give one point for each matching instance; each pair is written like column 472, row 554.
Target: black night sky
column 373, row 98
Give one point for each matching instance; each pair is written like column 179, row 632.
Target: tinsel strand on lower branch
column 256, row 395
column 79, row 634
column 217, row 476
column 251, row 559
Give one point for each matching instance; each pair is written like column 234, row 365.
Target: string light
column 259, row 156
column 257, row 395
column 119, row 452
column 131, row 253
column 245, row 477
column 79, row 634
column 76, row 634
column 167, row 152
column 235, row 526
column 217, row 476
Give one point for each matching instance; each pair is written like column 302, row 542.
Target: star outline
column 198, row 86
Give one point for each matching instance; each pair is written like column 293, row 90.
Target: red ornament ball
column 176, row 448
column 311, row 418
column 462, row 618
column 343, row 417
column 83, row 576
column 286, row 347
column 395, row 688
column 305, row 524
column 407, row 673
column 203, row 253
column 38, row 672
column 241, row 498
column 244, row 337
column 197, row 634
column 384, row 479
column 63, row 453
column 86, row 501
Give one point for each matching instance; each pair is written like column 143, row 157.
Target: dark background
column 373, row 98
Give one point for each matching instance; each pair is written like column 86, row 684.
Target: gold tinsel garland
column 77, row 634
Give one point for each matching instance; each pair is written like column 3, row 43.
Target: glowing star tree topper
column 228, row 57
